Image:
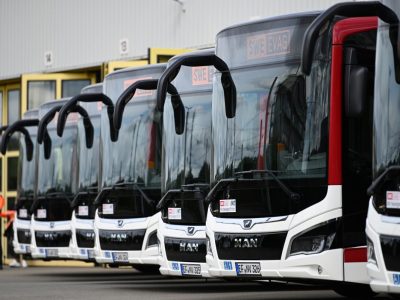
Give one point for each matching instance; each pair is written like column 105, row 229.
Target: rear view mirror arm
column 92, row 97
column 179, row 109
column 21, row 127
column 347, row 9
column 43, row 134
column 87, row 124
column 147, row 84
column 127, row 95
column 199, row 60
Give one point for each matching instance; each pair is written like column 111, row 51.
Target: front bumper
column 325, row 266
column 147, row 255
column 48, row 252
column 175, row 268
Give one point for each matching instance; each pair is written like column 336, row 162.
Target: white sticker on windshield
column 393, row 199
column 41, row 213
column 108, row 208
column 227, row 205
column 174, row 213
column 23, row 213
column 83, row 210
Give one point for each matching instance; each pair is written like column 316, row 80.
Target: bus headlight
column 314, row 240
column 371, row 252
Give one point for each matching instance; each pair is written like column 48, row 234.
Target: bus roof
column 270, row 19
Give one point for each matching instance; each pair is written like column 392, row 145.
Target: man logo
column 51, row 224
column 245, row 243
column 247, row 224
column 120, row 223
column 188, row 247
column 190, row 230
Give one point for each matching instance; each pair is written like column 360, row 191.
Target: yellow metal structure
column 162, row 55
column 155, row 55
column 114, row 65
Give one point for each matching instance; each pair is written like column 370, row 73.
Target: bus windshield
column 386, row 106
column 131, row 168
column 27, row 169
column 136, row 156
column 186, row 157
column 56, row 174
column 275, row 127
column 88, row 158
column 280, row 129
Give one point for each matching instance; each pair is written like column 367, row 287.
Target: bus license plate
column 120, row 256
column 90, row 254
column 396, row 278
column 248, row 269
column 193, row 270
column 51, row 252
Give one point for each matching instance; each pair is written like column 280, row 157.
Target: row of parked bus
column 275, row 155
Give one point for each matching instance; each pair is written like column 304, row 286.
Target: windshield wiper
column 388, row 173
column 292, row 195
column 192, row 187
column 88, row 192
column 47, row 195
column 125, row 185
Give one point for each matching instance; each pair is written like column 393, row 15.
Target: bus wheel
column 355, row 291
column 147, row 269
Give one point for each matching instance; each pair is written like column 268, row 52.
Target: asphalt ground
column 57, row 283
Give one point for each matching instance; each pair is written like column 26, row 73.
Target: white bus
column 130, row 186
column 82, row 220
column 292, row 163
column 185, row 171
column 383, row 222
column 27, row 168
column 56, row 185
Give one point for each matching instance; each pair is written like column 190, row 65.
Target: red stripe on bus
column 355, row 255
column 341, row 31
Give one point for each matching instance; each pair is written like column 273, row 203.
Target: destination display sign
column 268, row 44
column 192, row 79
column 263, row 42
column 138, row 93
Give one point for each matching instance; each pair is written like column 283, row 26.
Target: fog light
column 209, row 249
column 320, row 270
column 371, row 252
column 159, row 248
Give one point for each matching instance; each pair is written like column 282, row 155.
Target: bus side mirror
column 355, row 90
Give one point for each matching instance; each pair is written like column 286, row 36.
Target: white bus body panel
column 328, row 265
column 40, row 252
